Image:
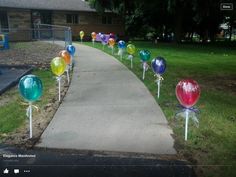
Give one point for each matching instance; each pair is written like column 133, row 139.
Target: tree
column 179, row 16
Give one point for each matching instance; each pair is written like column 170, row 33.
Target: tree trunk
column 178, row 24
column 230, row 31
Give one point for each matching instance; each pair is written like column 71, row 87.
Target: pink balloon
column 187, row 92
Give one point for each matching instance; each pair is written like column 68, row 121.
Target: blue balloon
column 144, row 55
column 121, row 44
column 30, row 88
column 71, row 49
column 159, row 65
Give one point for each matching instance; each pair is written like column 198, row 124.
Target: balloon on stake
column 81, row 34
column 93, row 35
column 71, row 50
column 58, row 66
column 30, row 88
column 103, row 40
column 121, row 47
column 111, row 42
column 188, row 92
column 66, row 56
column 131, row 50
column 112, row 35
column 145, row 56
column 158, row 67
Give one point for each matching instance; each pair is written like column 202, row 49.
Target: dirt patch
column 37, row 54
column 218, row 82
column 221, row 83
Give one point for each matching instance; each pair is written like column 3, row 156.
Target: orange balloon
column 65, row 55
column 93, row 35
column 111, row 42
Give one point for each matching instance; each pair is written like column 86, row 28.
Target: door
column 3, row 21
column 39, row 17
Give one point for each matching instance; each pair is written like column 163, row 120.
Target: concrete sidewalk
column 107, row 108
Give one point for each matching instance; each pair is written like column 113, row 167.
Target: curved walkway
column 107, row 108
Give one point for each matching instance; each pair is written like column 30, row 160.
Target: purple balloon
column 103, row 37
column 159, row 65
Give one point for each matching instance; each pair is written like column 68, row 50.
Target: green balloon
column 144, row 55
column 30, row 88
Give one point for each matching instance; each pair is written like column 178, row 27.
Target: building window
column 3, row 22
column 72, row 18
column 106, row 20
column 41, row 17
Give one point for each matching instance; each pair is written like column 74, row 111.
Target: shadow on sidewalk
column 40, row 163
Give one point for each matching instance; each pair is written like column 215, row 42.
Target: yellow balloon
column 81, row 33
column 58, row 66
column 131, row 49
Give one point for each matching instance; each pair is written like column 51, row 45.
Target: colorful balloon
column 30, row 88
column 158, row 65
column 111, row 42
column 65, row 55
column 103, row 37
column 58, row 66
column 100, row 33
column 187, row 92
column 131, row 49
column 144, row 55
column 81, row 33
column 112, row 35
column 71, row 49
column 93, row 35
column 121, row 44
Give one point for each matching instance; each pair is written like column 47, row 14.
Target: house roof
column 70, row 5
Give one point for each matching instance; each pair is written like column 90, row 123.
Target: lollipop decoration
column 103, row 40
column 121, row 47
column 111, row 43
column 81, row 34
column 145, row 56
column 112, row 35
column 188, row 92
column 158, row 67
column 131, row 50
column 93, row 35
column 71, row 50
column 30, row 88
column 58, row 66
column 66, row 56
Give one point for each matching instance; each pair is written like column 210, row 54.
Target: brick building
column 16, row 15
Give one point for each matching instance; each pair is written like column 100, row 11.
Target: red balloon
column 187, row 92
column 112, row 35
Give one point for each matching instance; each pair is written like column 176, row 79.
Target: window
column 3, row 21
column 43, row 17
column 106, row 20
column 72, row 18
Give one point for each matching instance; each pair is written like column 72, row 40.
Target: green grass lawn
column 212, row 146
column 13, row 109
